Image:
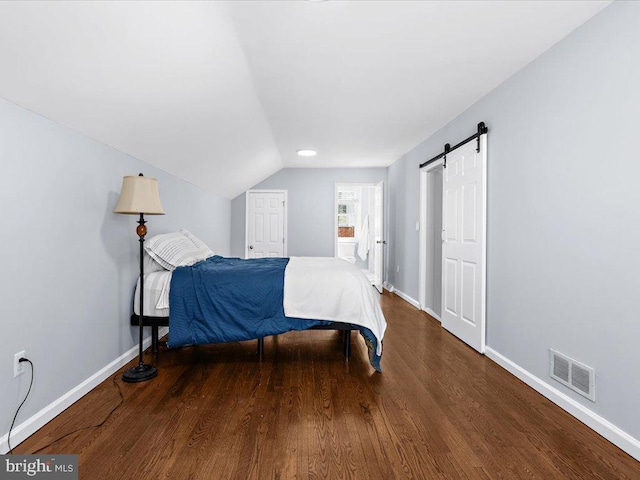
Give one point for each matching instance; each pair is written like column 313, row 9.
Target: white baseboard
column 55, row 408
column 405, row 297
column 388, row 287
column 591, row 419
column 433, row 314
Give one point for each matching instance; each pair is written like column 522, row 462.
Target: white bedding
column 332, row 289
column 156, row 294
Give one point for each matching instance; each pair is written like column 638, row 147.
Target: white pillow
column 177, row 249
column 150, row 265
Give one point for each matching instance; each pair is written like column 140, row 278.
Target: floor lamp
column 139, row 196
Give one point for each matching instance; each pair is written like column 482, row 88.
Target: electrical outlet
column 18, row 366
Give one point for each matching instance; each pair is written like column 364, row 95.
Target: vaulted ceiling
column 222, row 94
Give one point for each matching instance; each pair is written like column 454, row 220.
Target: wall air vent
column 573, row 374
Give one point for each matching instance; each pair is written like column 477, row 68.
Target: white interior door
column 266, row 224
column 378, row 233
column 463, row 244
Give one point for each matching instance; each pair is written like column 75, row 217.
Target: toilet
column 347, row 251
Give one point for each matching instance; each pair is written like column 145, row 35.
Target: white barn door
column 266, row 224
column 464, row 243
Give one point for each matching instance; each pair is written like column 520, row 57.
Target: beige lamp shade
column 139, row 195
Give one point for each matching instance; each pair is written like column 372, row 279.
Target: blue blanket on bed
column 230, row 299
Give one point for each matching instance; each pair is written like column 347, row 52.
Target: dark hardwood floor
column 439, row 410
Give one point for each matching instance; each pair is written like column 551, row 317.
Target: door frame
column 284, row 220
column 384, row 220
column 422, row 279
column 336, row 185
column 382, row 242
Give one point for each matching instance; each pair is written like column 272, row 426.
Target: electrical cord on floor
column 90, row 426
column 21, row 360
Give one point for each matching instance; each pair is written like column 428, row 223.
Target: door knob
column 250, row 247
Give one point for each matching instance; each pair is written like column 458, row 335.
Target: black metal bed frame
column 156, row 322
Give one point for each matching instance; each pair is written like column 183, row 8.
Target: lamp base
column 140, row 373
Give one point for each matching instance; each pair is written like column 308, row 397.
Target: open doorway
column 431, row 241
column 358, row 237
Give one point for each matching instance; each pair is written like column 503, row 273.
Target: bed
column 219, row 299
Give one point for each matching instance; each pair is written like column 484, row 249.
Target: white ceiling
column 222, row 94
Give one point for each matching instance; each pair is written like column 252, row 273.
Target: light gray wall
column 311, row 206
column 69, row 264
column 563, row 210
column 238, row 218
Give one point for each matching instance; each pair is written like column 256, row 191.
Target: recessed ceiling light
column 307, row 153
